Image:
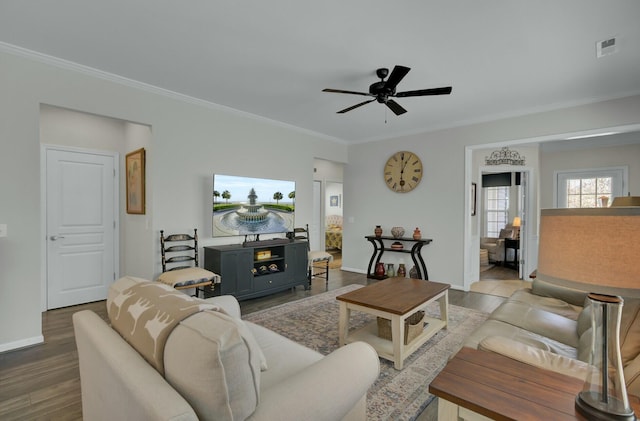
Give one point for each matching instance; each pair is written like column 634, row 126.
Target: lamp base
column 592, row 413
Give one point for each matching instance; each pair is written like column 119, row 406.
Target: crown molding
column 131, row 83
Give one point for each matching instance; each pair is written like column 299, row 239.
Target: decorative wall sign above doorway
column 504, row 156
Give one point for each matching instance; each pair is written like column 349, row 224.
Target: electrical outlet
column 3, row 230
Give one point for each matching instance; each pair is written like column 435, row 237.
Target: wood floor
column 42, row 382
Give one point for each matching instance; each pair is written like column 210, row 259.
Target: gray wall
column 189, row 142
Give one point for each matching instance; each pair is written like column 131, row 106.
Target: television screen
column 252, row 206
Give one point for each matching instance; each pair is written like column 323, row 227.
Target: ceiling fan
column 383, row 91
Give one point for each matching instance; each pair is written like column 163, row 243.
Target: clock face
column 403, row 172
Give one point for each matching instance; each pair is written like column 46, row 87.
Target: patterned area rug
column 396, row 395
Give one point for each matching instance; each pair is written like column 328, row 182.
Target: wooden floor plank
column 42, row 382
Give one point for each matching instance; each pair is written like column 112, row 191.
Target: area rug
column 396, row 395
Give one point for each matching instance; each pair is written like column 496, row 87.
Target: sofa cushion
column 209, row 360
column 538, row 321
column 285, row 356
column 498, row 328
column 505, row 233
column 535, row 356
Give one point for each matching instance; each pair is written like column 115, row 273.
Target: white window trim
column 616, row 172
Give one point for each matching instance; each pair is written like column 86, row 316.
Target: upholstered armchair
column 495, row 246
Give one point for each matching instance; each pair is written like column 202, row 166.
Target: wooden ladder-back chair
column 318, row 260
column 184, row 253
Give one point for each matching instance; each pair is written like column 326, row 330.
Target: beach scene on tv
column 251, row 206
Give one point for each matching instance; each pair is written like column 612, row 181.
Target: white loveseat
column 209, row 374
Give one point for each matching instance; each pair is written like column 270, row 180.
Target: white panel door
column 80, row 227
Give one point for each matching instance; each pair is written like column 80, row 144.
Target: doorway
column 328, row 207
column 81, row 206
column 501, row 214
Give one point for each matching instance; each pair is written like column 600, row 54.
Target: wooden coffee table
column 394, row 299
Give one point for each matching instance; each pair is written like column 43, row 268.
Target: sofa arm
column 228, row 303
column 535, row 356
column 116, row 382
column 341, row 380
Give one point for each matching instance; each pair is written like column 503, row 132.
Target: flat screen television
column 252, row 206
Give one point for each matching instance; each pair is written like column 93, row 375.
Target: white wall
column 589, row 158
column 63, row 127
column 190, row 140
column 437, row 205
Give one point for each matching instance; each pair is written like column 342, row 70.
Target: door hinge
column 114, row 173
column 114, row 224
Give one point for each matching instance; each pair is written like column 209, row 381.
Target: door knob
column 56, row 237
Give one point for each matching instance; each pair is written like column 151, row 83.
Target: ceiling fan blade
column 340, row 91
column 397, row 74
column 355, row 106
column 422, row 92
column 395, row 107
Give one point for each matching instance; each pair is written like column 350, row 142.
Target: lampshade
column 626, row 201
column 516, row 221
column 593, row 249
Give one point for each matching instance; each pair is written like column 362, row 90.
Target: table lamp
column 516, row 223
column 596, row 250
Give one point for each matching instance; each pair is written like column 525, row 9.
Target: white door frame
column 471, row 257
column 44, row 148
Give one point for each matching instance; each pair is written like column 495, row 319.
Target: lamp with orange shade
column 596, row 250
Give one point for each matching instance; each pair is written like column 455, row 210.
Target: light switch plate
column 3, row 230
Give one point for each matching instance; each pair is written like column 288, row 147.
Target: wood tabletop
column 505, row 389
column 395, row 295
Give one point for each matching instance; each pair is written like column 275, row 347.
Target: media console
column 259, row 268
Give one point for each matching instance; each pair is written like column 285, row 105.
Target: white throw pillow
column 214, row 362
column 187, row 276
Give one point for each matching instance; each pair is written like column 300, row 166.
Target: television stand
column 257, row 268
column 265, row 243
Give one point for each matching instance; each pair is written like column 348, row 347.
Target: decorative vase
column 397, row 232
column 378, row 231
column 390, row 270
column 413, row 273
column 417, row 234
column 379, row 272
column 402, row 271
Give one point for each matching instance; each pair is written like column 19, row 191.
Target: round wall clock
column 403, row 172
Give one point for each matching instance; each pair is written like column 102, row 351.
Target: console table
column 379, row 248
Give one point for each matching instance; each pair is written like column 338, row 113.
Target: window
column 496, row 209
column 590, row 188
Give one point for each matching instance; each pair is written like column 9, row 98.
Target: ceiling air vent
column 606, row 47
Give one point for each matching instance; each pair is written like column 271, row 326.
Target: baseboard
column 10, row 346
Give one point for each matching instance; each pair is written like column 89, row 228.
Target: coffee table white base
column 394, row 350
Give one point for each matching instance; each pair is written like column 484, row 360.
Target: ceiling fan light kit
column 383, row 91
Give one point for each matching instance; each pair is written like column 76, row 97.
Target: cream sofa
column 210, row 372
column 549, row 326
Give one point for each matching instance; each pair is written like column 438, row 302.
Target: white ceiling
column 273, row 58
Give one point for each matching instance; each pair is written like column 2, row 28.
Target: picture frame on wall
column 135, row 167
column 473, row 199
column 334, row 201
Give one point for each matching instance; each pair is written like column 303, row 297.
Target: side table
column 515, row 245
column 479, row 385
